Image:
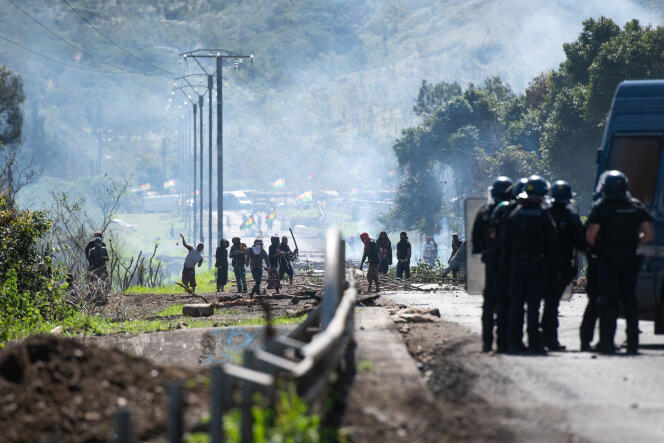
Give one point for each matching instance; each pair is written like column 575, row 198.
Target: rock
column 198, row 310
column 413, row 315
column 57, row 330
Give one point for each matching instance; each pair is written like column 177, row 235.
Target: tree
column 11, row 117
column 431, row 97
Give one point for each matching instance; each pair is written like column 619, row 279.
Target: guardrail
column 322, row 344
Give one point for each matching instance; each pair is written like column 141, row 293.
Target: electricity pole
column 219, row 55
column 195, row 109
column 202, row 199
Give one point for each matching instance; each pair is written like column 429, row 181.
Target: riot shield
column 474, row 265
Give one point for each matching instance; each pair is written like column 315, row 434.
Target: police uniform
column 617, row 267
column 570, row 239
column 591, row 313
column 498, row 223
column 484, row 244
column 527, row 241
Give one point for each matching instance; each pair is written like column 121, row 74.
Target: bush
column 30, row 290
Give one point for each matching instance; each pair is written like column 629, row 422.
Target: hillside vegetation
column 332, row 85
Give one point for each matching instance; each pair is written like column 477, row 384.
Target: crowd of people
column 277, row 261
column 529, row 236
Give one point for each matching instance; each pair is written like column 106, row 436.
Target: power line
column 126, row 51
column 70, row 44
column 56, row 60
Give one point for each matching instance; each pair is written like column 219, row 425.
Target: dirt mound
column 54, row 386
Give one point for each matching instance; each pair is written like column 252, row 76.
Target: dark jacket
column 619, row 220
column 371, row 253
column 91, row 245
column 403, row 250
column 384, row 247
column 256, row 260
column 273, row 252
column 221, row 257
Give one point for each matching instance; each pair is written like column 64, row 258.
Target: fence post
column 123, row 429
column 175, row 412
column 220, row 385
column 247, row 430
column 334, row 272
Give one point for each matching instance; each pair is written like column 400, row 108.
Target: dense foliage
column 553, row 128
column 30, row 291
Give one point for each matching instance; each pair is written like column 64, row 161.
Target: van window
column 637, row 156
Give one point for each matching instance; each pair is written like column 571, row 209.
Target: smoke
column 330, row 102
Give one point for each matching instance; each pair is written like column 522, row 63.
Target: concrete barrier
column 193, row 347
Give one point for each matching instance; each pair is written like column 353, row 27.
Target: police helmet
column 500, row 190
column 561, row 192
column 536, row 188
column 614, row 185
column 519, row 187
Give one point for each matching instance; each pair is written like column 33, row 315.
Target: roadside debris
column 414, row 315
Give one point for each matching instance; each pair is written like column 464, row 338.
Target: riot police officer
column 617, row 225
column 527, row 241
column 484, row 243
column 563, row 269
column 498, row 219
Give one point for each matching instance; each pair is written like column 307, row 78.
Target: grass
column 207, row 282
column 79, row 324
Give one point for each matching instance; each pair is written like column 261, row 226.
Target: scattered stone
column 414, row 315
column 57, row 330
column 198, row 310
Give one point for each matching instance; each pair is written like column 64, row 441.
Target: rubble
column 414, row 315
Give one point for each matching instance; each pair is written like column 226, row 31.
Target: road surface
column 565, row 396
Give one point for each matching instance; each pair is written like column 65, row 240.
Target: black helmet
column 536, row 188
column 561, row 192
column 500, row 190
column 519, row 187
column 614, row 185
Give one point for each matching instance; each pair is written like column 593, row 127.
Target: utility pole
column 201, row 97
column 202, row 200
column 209, row 85
column 195, row 109
column 219, row 55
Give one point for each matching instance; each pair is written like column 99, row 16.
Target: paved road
column 591, row 397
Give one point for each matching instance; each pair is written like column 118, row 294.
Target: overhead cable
column 126, row 51
column 70, row 44
column 56, row 60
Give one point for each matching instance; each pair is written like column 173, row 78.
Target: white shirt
column 193, row 257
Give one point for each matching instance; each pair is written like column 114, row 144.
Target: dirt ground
column 53, row 386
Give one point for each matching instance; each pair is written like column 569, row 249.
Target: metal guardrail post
column 220, row 387
column 334, row 273
column 247, row 427
column 122, row 419
column 175, row 412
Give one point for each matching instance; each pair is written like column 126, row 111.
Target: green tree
column 11, row 117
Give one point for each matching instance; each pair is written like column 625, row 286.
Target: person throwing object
column 193, row 257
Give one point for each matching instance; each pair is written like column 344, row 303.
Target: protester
column 90, row 245
column 286, row 256
column 98, row 256
column 256, row 256
column 193, row 258
column 430, row 253
column 370, row 253
column 403, row 256
column 384, row 251
column 456, row 244
column 273, row 281
column 221, row 264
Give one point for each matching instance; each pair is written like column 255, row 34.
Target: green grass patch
column 79, row 324
column 171, row 311
column 206, row 280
